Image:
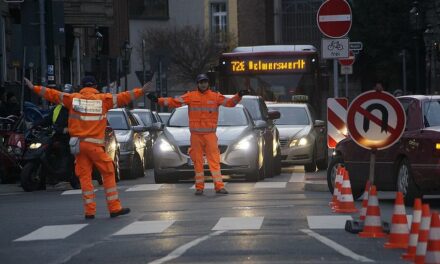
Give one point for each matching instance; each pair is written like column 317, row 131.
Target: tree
column 189, row 50
column 384, row 28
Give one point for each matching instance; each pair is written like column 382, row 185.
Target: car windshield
column 117, row 120
column 144, row 116
column 296, row 116
column 253, row 107
column 432, row 113
column 227, row 117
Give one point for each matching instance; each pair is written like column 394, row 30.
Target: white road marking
column 52, row 232
column 335, row 18
column 327, row 221
column 338, row 248
column 144, row 187
column 297, row 177
column 145, row 227
column 182, row 249
column 70, row 192
column 239, row 223
column 261, row 185
column 208, row 186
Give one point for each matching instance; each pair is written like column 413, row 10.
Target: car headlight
column 165, row 146
column 244, row 144
column 126, row 146
column 35, row 145
column 299, row 142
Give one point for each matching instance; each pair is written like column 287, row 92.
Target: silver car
column 239, row 142
column 302, row 137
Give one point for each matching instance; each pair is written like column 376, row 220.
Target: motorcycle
column 46, row 160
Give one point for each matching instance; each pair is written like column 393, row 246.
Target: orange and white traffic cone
column 346, row 203
column 336, row 191
column 422, row 241
column 414, row 234
column 399, row 234
column 433, row 250
column 364, row 202
column 373, row 225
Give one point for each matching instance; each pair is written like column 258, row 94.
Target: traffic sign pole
column 335, row 78
column 372, row 165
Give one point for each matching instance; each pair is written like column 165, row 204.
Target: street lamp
column 126, row 54
column 428, row 37
column 415, row 20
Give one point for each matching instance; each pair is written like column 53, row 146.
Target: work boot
column 123, row 211
column 89, row 217
column 222, row 191
column 199, row 192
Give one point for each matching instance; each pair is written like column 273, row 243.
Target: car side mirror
column 158, row 126
column 319, row 123
column 274, row 115
column 260, row 124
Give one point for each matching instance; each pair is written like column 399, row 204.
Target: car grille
column 184, row 149
column 284, row 142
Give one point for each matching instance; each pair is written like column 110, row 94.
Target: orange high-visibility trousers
column 206, row 144
column 94, row 155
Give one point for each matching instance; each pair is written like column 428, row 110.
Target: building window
column 148, row 9
column 219, row 21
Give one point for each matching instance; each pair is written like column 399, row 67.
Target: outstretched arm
column 169, row 101
column 231, row 102
column 51, row 95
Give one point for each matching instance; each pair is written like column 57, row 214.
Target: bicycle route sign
column 334, row 18
column 376, row 120
column 335, row 48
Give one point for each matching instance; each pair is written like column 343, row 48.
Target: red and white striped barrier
column 336, row 120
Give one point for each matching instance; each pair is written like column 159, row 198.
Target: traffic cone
column 422, row 240
column 336, row 191
column 433, row 250
column 399, row 234
column 346, row 203
column 373, row 225
column 414, row 234
column 364, row 202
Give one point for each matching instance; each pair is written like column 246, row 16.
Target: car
column 157, row 119
column 164, row 117
column 302, row 136
column 240, row 144
column 411, row 165
column 264, row 119
column 145, row 117
column 132, row 158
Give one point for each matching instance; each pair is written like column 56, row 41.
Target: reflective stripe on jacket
column 202, row 108
column 88, row 108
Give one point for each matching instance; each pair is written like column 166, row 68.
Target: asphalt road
column 274, row 221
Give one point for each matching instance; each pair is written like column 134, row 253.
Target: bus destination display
column 236, row 66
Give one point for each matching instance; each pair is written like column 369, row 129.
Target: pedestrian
column 3, row 107
column 86, row 125
column 12, row 105
column 203, row 105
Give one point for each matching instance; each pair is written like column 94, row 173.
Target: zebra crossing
column 59, row 232
column 295, row 178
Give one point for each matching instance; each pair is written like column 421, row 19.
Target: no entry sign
column 348, row 61
column 334, row 18
column 375, row 120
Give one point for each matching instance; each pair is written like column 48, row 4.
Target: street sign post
column 334, row 18
column 375, row 121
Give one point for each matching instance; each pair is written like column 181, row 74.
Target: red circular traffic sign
column 334, row 18
column 375, row 120
column 348, row 61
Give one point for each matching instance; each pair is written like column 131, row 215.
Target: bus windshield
column 275, row 87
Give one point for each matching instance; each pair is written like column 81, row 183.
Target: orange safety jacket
column 87, row 109
column 202, row 108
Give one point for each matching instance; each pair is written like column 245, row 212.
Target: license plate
column 191, row 163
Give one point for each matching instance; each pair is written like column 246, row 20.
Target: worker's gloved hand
column 243, row 92
column 28, row 83
column 152, row 97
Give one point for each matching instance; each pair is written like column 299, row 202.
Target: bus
column 276, row 72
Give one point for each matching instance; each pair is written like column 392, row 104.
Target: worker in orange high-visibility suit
column 86, row 125
column 203, row 105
